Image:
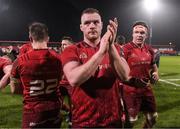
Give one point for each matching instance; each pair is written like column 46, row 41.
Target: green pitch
column 167, row 92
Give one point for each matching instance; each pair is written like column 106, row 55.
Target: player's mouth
column 93, row 32
column 140, row 39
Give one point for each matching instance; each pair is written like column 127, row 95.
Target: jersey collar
column 136, row 46
column 87, row 45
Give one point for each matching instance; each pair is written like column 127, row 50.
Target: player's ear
column 102, row 24
column 81, row 27
column 48, row 39
column 147, row 35
column 30, row 38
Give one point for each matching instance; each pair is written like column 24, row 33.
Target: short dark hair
column 142, row 23
column 120, row 39
column 90, row 10
column 67, row 38
column 38, row 31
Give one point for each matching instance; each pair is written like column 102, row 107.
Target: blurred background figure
column 65, row 42
column 120, row 39
column 5, row 70
column 10, row 52
column 65, row 87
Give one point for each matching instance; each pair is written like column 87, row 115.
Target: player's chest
column 139, row 56
column 88, row 53
column 103, row 69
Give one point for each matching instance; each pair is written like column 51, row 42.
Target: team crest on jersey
column 148, row 53
column 83, row 56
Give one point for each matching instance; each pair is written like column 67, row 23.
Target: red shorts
column 45, row 119
column 139, row 99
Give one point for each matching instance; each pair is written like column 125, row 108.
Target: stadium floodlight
column 151, row 5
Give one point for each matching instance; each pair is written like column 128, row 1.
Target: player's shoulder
column 73, row 48
column 25, row 56
column 26, row 45
column 76, row 45
column 128, row 46
column 25, row 48
column 149, row 48
column 5, row 59
column 54, row 53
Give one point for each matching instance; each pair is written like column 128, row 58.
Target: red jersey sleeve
column 5, row 62
column 70, row 54
column 126, row 49
column 25, row 48
column 152, row 53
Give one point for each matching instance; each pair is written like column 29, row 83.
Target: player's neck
column 140, row 45
column 92, row 43
column 39, row 45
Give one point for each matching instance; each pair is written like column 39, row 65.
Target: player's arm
column 15, row 86
column 5, row 79
column 77, row 73
column 15, row 83
column 154, row 74
column 143, row 82
column 118, row 63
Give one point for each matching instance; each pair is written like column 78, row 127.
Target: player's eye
column 96, row 22
column 87, row 22
column 142, row 32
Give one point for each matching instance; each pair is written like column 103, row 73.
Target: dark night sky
column 63, row 18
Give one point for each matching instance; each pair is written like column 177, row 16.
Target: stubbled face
column 139, row 34
column 91, row 26
column 65, row 43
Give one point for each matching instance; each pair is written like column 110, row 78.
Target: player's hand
column 112, row 27
column 104, row 43
column 137, row 82
column 154, row 77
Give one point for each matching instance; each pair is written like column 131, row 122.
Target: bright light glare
column 151, row 5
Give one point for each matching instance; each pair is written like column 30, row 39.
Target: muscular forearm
column 118, row 63
column 78, row 75
column 4, row 81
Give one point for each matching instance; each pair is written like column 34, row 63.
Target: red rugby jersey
column 40, row 72
column 140, row 60
column 96, row 103
column 25, row 48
